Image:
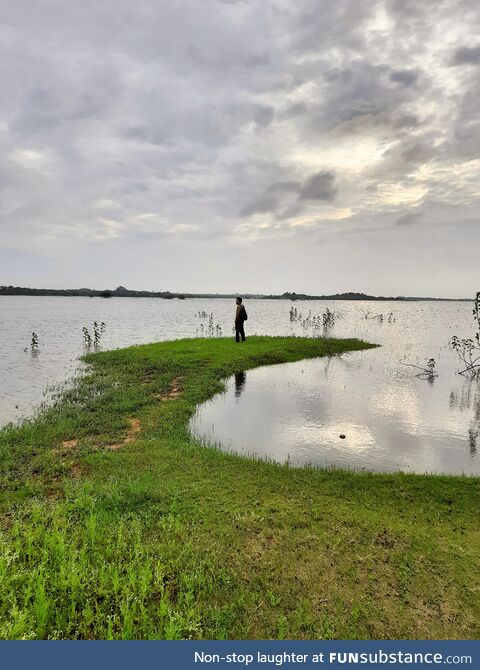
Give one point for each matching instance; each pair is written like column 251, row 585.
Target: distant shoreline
column 122, row 292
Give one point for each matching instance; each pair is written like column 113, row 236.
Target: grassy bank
column 114, row 523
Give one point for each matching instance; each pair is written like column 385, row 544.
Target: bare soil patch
column 132, row 432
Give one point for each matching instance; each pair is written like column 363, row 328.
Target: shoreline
column 168, row 295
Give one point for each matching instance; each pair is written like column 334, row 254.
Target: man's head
column 238, row 301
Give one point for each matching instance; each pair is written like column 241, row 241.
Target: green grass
column 163, row 538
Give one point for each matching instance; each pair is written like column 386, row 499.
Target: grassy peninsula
column 116, row 524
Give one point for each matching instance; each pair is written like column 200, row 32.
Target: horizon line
column 122, row 291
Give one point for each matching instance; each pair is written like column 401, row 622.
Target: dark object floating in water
column 342, row 436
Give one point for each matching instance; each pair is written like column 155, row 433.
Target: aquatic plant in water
column 87, row 339
column 328, row 318
column 427, row 372
column 34, row 343
column 468, row 349
column 380, row 317
column 98, row 331
column 212, row 329
column 325, row 320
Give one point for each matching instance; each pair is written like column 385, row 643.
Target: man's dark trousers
column 239, row 331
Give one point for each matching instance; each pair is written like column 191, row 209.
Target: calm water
column 391, row 419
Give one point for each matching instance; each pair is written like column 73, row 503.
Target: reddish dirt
column 69, row 444
column 131, row 433
column 175, row 390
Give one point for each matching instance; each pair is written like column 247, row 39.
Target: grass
column 114, row 528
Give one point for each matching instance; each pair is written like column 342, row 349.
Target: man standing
column 240, row 318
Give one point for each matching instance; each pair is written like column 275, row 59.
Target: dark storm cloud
column 226, row 122
column 467, row 56
column 271, row 198
column 419, row 152
column 406, row 77
column 463, row 142
column 320, row 186
column 362, row 96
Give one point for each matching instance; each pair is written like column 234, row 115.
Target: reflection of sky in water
column 392, row 420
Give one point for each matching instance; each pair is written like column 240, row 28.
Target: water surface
column 391, row 419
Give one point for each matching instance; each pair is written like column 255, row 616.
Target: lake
column 364, row 410
column 391, row 419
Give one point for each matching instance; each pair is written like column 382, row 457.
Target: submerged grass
column 115, row 529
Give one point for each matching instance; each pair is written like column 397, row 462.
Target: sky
column 238, row 145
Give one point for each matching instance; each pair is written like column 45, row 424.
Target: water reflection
column 467, row 398
column 472, row 440
column 297, row 412
column 240, row 379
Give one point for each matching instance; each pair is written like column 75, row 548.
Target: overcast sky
column 254, row 146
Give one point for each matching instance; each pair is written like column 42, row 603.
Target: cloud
column 409, row 218
column 277, row 195
column 418, row 152
column 276, row 118
column 467, row 56
column 296, row 109
column 271, row 199
column 320, row 186
column 406, row 77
